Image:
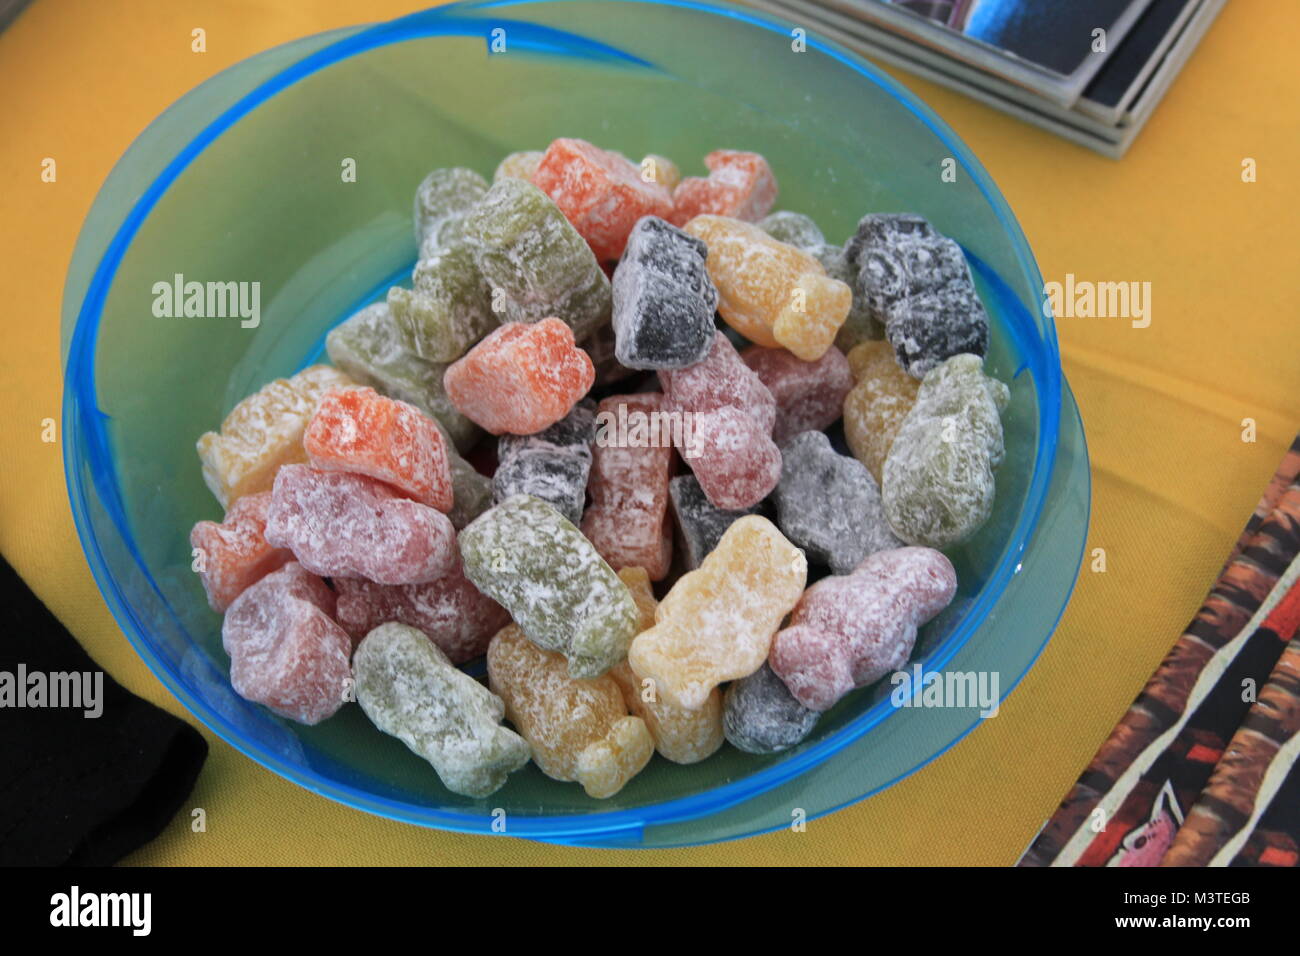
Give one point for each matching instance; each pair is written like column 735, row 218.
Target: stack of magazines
column 1090, row 70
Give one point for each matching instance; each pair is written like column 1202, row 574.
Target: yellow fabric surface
column 1163, row 407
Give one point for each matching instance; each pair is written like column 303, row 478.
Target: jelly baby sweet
column 680, row 735
column 800, row 231
column 448, row 307
column 771, row 293
column 579, row 730
column 808, row 395
column 939, row 484
column 917, row 284
column 343, row 525
column 739, row 185
column 357, row 430
column 263, row 432
column 373, row 351
column 761, row 716
column 285, row 650
column 448, row 610
column 533, row 259
column 519, row 165
column 442, row 200
column 879, row 401
column 410, row 690
column 717, row 622
column 850, row 631
column 602, row 193
column 929, row 326
column 628, row 486
column 522, row 378
column 731, row 414
column 235, row 553
column 699, row 524
column 664, row 299
column 552, row 464
column 829, row 505
column 532, row 560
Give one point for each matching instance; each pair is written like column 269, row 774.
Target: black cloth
column 77, row 790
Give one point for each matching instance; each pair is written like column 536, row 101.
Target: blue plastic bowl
column 241, row 181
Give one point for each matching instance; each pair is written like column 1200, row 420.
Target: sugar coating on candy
column 736, row 463
column 285, row 650
column 448, row 307
column 358, row 430
column 929, row 326
column 699, row 523
column 877, row 405
column 372, row 350
column 731, row 414
column 717, row 622
column 552, row 464
column 235, row 552
column 664, row 299
column 661, row 170
column 519, row 165
column 760, row 716
column 627, row 518
column 721, row 380
column 537, row 564
column 410, row 690
column 442, row 200
column 875, row 229
column 829, row 505
column 850, row 631
column 800, row 231
column 894, row 265
column 772, row 293
column 602, row 193
column 939, row 484
column 534, row 260
column 680, row 735
column 522, row 378
column 808, row 395
column 579, row 730
column 739, row 184
column 344, row 525
column 918, row 285
column 263, row 432
column 449, row 611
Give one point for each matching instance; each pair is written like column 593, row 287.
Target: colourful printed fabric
column 1249, row 813
column 1288, row 470
column 1128, row 805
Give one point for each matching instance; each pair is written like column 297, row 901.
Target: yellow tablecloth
column 1163, row 408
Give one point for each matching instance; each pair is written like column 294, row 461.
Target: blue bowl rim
column 80, row 414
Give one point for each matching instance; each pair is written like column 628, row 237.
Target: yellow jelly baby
column 680, row 735
column 717, row 622
column 578, row 729
column 263, row 432
column 773, row 294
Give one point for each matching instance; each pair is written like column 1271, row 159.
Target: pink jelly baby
column 851, row 630
column 286, row 651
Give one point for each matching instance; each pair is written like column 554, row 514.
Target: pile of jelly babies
column 680, row 469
